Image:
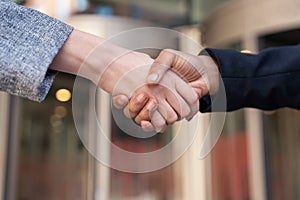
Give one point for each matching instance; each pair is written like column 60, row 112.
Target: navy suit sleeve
column 267, row 81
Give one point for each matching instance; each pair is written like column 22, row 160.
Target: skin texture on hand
column 171, row 99
column 193, row 69
column 201, row 72
column 73, row 53
column 120, row 71
column 103, row 63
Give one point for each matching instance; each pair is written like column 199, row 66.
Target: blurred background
column 256, row 157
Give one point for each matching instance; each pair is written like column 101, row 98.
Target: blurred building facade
column 271, row 137
column 42, row 157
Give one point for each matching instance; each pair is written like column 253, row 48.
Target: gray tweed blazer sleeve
column 29, row 41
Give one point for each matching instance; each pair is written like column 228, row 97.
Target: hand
column 105, row 64
column 200, row 71
column 170, row 100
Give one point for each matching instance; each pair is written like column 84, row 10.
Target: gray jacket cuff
column 29, row 41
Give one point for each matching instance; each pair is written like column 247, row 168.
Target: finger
column 200, row 87
column 158, row 121
column 126, row 112
column 147, row 126
column 186, row 91
column 161, row 64
column 120, row 101
column 168, row 112
column 146, row 112
column 175, row 99
column 194, row 110
column 137, row 103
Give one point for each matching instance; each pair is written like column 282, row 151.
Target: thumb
column 200, row 87
column 160, row 66
column 120, row 101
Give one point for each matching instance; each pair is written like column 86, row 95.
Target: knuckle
column 132, row 113
column 168, row 51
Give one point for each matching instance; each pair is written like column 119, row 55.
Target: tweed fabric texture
column 29, row 41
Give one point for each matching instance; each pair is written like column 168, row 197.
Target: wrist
column 125, row 73
column 101, row 62
column 211, row 74
column 92, row 57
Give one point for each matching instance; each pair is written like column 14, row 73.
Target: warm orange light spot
column 63, row 95
column 246, row 51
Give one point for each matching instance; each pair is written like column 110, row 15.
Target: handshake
column 157, row 93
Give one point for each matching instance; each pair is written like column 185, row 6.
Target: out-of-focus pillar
column 4, row 108
column 254, row 127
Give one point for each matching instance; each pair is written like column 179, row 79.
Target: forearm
column 103, row 63
column 74, row 52
column 266, row 81
column 77, row 56
column 29, row 42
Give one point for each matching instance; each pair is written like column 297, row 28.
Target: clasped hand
column 171, row 92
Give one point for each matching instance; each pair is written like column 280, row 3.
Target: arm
column 33, row 46
column 186, row 66
column 120, row 71
column 268, row 80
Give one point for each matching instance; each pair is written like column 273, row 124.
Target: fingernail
column 122, row 101
column 147, row 126
column 141, row 97
column 153, row 77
